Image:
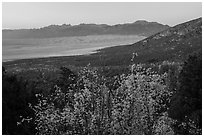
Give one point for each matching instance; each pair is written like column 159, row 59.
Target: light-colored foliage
column 137, row 106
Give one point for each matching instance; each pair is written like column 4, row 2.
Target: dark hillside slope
column 172, row 44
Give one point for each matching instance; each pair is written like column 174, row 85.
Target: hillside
column 142, row 28
column 173, row 44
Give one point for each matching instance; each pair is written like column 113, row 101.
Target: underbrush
column 101, row 101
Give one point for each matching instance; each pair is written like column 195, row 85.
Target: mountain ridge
column 140, row 27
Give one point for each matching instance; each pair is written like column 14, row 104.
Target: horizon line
column 86, row 24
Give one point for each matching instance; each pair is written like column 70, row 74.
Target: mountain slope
column 142, row 28
column 174, row 43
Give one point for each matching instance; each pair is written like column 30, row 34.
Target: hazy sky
column 35, row 15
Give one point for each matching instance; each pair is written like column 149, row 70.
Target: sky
column 18, row 15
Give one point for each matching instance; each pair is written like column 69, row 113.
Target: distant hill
column 174, row 43
column 140, row 27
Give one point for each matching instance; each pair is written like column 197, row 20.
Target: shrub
column 186, row 104
column 17, row 97
column 137, row 106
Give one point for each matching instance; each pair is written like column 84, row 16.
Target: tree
column 186, row 104
column 67, row 83
column 140, row 103
column 17, row 97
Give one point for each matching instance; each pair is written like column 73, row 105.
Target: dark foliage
column 17, row 116
column 186, row 104
column 67, row 79
column 67, row 82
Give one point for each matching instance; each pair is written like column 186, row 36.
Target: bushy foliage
column 146, row 99
column 186, row 104
column 137, row 106
column 17, row 97
column 140, row 101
